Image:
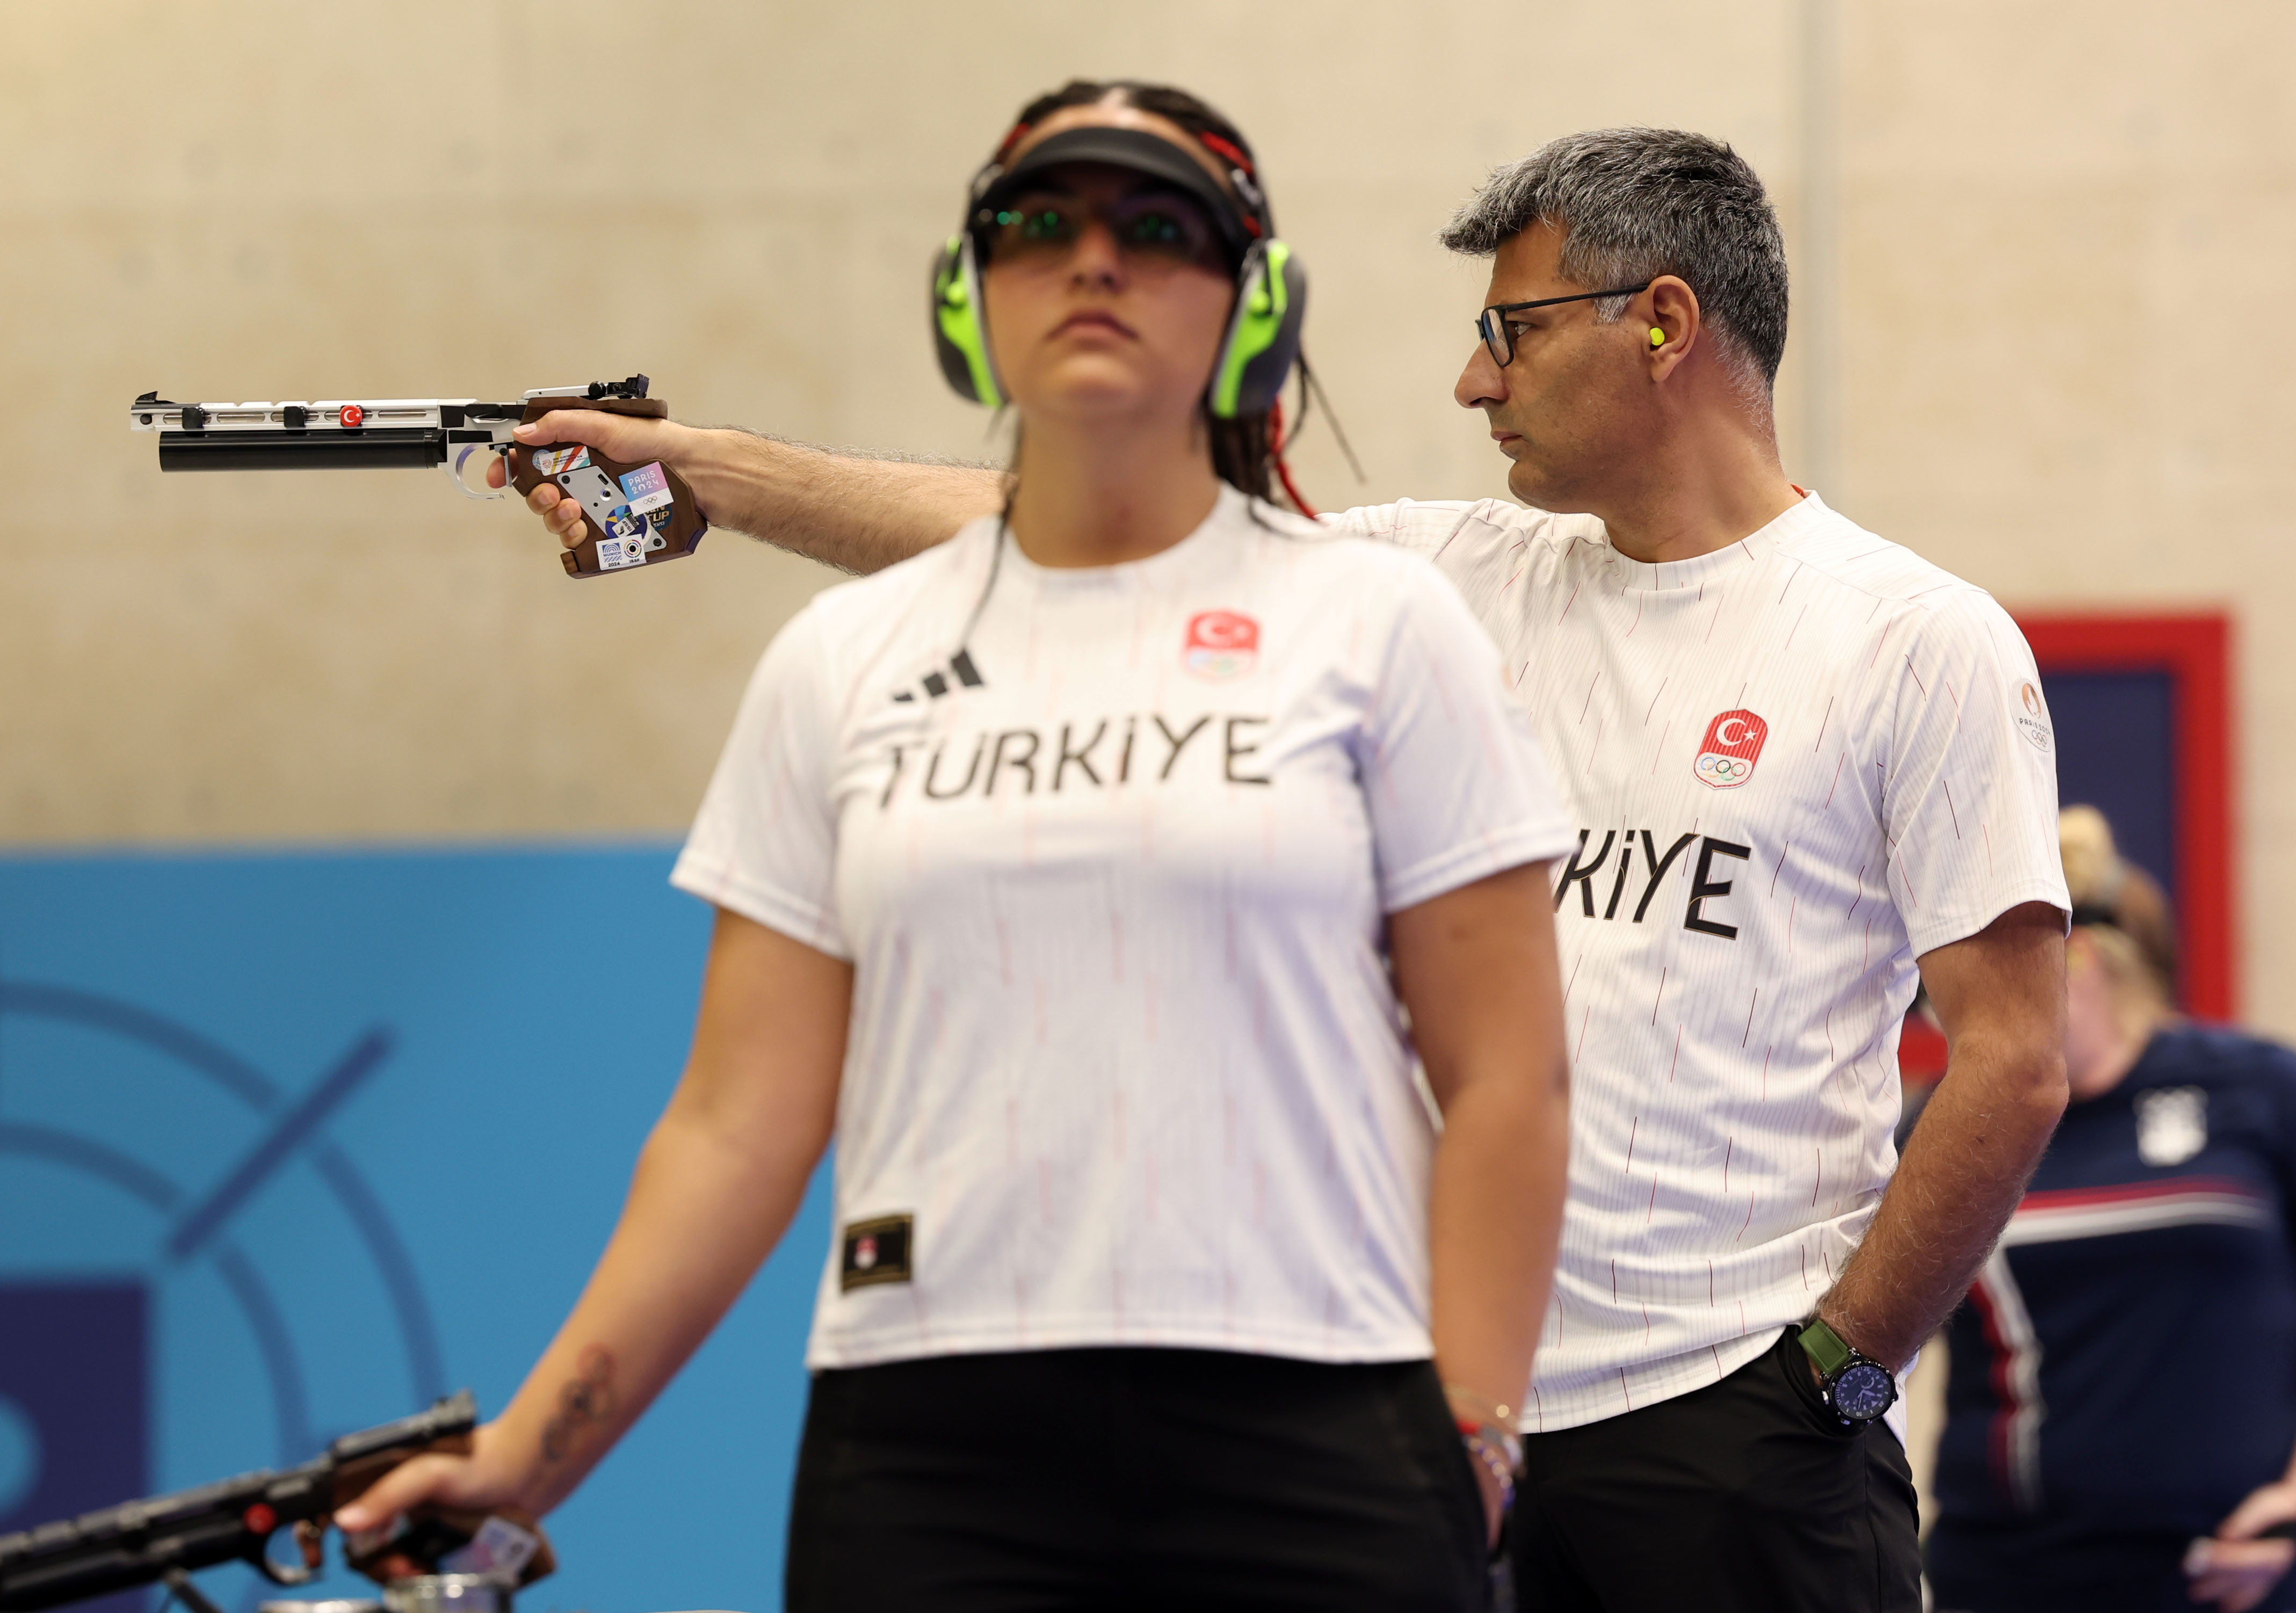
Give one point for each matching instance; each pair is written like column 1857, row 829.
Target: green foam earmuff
column 960, row 333
column 1255, row 360
column 1263, row 335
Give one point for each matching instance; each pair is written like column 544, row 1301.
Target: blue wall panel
column 345, row 1132
column 2117, row 751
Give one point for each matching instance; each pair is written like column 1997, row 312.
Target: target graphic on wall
column 294, row 1141
column 194, row 1278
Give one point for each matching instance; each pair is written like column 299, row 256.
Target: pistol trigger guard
column 453, row 469
column 279, row 1573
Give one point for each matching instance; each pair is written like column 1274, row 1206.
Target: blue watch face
column 1863, row 1391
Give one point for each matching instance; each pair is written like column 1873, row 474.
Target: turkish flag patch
column 1733, row 744
column 1222, row 644
column 875, row 1251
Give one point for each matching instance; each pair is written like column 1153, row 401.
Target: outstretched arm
column 857, row 512
column 2000, row 994
column 717, row 1185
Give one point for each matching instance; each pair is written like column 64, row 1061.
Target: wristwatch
column 1858, row 1387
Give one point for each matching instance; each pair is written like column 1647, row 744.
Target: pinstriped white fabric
column 1797, row 764
column 1124, row 1042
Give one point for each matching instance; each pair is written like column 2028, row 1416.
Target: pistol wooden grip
column 638, row 539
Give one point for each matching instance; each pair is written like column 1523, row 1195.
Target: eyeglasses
column 1157, row 226
column 1491, row 324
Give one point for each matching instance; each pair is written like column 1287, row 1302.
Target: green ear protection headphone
column 1271, row 300
column 959, row 334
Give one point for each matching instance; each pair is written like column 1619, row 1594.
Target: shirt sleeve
column 1420, row 525
column 1453, row 781
column 1969, row 797
column 765, row 842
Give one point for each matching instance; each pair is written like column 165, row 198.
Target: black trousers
column 1133, row 1479
column 1746, row 1496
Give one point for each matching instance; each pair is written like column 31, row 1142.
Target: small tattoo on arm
column 587, row 1398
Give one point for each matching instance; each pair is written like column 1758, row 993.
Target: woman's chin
column 1095, row 394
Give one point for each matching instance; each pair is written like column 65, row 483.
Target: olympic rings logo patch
column 1732, row 746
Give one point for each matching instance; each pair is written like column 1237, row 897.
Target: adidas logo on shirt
column 936, row 683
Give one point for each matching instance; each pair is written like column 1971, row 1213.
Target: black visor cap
column 1138, row 152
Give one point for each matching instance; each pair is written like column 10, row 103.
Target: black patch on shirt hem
column 875, row 1251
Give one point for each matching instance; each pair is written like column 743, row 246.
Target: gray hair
column 1634, row 204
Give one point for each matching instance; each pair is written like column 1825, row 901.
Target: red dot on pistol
column 353, row 415
column 259, row 1519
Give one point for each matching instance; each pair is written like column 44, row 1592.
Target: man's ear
column 1672, row 328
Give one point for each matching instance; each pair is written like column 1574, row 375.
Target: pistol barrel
column 331, row 449
column 388, row 433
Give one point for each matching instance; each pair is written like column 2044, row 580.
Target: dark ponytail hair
column 1243, row 449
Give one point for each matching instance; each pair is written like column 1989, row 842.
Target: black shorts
column 1133, row 1479
column 2058, row 1566
column 1746, row 1496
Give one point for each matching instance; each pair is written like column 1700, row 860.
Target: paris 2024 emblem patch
column 1733, row 744
column 2031, row 718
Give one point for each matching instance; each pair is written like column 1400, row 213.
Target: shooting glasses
column 1491, row 324
column 1040, row 228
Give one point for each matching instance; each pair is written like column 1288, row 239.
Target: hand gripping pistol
column 634, row 515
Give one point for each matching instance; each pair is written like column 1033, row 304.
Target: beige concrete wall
column 2057, row 239
column 2063, row 230
column 275, row 199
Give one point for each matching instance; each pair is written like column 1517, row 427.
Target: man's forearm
column 1964, row 1169
column 857, row 513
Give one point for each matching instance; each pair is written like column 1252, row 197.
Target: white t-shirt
column 1125, row 1065
column 1797, row 764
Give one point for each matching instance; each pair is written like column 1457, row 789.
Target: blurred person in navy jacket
column 2121, row 1399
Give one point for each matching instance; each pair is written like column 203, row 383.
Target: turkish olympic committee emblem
column 1733, row 743
column 1222, row 644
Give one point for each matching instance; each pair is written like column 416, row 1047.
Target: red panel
column 2195, row 652
column 1920, row 1051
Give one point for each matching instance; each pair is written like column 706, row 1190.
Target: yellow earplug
column 1658, row 336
